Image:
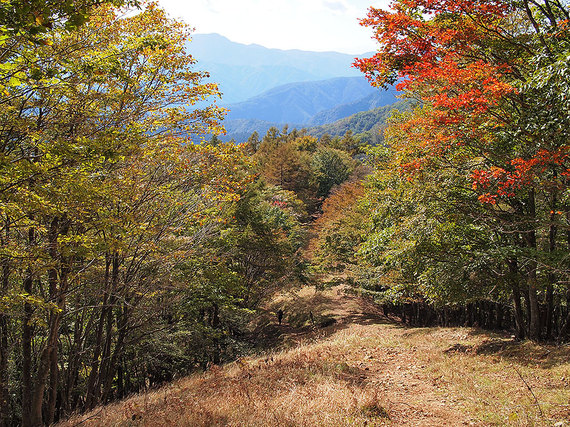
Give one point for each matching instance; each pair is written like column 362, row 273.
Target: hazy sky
column 318, row 25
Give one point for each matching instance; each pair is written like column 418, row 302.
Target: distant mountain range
column 244, row 71
column 368, row 125
column 265, row 87
column 378, row 98
column 300, row 102
column 305, row 105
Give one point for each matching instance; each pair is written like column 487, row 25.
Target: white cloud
column 336, row 6
column 285, row 24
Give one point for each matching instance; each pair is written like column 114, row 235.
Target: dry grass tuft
column 365, row 371
column 373, row 408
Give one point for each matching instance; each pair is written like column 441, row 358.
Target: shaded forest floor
column 350, row 365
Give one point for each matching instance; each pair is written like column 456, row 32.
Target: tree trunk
column 4, row 388
column 92, row 394
column 52, row 391
column 57, row 288
column 122, row 326
column 73, row 363
column 106, row 357
column 27, row 343
column 551, row 276
column 48, row 353
column 500, row 315
column 530, row 240
column 4, row 350
column 563, row 334
column 516, row 294
column 534, row 325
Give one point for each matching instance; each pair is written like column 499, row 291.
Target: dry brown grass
column 362, row 371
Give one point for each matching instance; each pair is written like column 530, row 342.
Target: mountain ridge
column 243, row 71
column 299, row 102
column 365, row 124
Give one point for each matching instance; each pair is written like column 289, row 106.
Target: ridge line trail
column 363, row 370
column 388, row 371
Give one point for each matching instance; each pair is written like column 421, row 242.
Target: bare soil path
column 362, row 369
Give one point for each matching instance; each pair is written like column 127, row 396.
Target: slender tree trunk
column 526, row 298
column 500, row 315
column 122, row 325
column 4, row 350
column 106, row 357
column 565, row 329
column 549, row 321
column 73, row 363
column 530, row 240
column 50, row 349
column 551, row 276
column 92, row 394
column 534, row 326
column 518, row 314
column 53, row 358
column 121, row 379
column 57, row 278
column 48, row 353
column 27, row 343
column 52, row 391
column 4, row 387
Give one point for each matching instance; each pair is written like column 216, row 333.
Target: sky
column 315, row 25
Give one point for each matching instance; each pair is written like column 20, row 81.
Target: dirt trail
column 362, row 369
column 311, row 314
column 413, row 397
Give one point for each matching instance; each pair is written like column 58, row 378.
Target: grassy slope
column 363, row 370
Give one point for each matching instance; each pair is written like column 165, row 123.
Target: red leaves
column 407, row 40
column 523, row 173
column 456, row 56
column 280, row 204
column 488, row 199
column 472, row 88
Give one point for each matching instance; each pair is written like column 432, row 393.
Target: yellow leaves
column 13, row 301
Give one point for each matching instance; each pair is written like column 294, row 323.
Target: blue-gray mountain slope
column 244, row 71
column 299, row 102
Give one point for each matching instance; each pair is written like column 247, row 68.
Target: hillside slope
column 244, row 71
column 299, row 102
column 368, row 125
column 376, row 99
column 364, row 369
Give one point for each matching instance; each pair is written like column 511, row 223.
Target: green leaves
column 107, row 210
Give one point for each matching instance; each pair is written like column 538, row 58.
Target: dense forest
column 131, row 256
column 469, row 198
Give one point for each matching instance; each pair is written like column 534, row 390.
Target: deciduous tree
column 480, row 69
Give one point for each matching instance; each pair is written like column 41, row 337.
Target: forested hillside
column 367, row 126
column 131, row 256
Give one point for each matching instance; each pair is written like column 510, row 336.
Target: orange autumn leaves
column 410, row 43
column 462, row 60
column 500, row 182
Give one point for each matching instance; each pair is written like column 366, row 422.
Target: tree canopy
column 486, row 153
